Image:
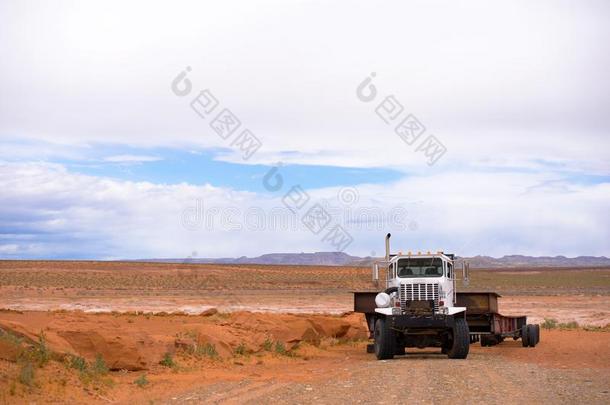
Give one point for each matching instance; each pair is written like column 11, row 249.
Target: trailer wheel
column 385, row 340
column 533, row 335
column 525, row 341
column 461, row 340
column 488, row 341
column 485, row 341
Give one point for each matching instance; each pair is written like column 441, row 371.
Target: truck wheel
column 485, row 341
column 384, row 340
column 532, row 334
column 525, row 341
column 488, row 341
column 461, row 340
column 537, row 333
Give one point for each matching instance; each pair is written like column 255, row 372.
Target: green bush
column 280, row 348
column 241, row 349
column 569, row 325
column 549, row 323
column 99, row 366
column 42, row 353
column 208, row 350
column 168, row 361
column 141, row 381
column 268, row 345
column 26, row 375
column 78, row 363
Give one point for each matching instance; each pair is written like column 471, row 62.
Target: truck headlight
column 382, row 300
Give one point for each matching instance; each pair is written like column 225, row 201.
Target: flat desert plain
column 117, row 332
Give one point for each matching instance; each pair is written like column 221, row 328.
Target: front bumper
column 435, row 321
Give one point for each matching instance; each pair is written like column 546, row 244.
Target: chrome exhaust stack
column 387, row 247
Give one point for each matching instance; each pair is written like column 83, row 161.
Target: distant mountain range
column 343, row 259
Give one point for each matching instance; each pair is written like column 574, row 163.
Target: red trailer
column 490, row 327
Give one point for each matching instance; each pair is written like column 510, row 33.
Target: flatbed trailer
column 485, row 322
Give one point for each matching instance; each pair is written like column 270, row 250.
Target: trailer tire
column 461, row 340
column 485, row 341
column 525, row 341
column 385, row 340
column 533, row 335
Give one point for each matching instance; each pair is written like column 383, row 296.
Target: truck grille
column 419, row 292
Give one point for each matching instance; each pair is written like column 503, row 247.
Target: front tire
column 461, row 340
column 385, row 340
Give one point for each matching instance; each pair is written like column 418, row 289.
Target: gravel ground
column 421, row 378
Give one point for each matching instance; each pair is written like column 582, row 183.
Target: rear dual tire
column 530, row 335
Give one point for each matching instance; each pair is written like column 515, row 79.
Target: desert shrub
column 208, row 350
column 569, row 325
column 26, row 374
column 78, row 363
column 549, row 323
column 280, row 348
column 10, row 338
column 240, row 350
column 41, row 353
column 13, row 341
column 99, row 366
column 168, row 360
column 268, row 345
column 141, row 381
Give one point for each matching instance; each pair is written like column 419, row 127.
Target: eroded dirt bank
column 260, row 358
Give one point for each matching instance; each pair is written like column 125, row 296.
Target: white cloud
column 131, row 159
column 495, row 83
column 517, row 92
column 49, row 211
column 9, row 249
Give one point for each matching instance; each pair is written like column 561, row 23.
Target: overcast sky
column 102, row 154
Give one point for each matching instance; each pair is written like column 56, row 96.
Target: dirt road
column 489, row 375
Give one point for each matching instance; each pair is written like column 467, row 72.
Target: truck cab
column 414, row 280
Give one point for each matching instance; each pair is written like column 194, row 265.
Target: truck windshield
column 420, row 267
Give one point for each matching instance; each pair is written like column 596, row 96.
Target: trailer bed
column 483, row 317
column 485, row 322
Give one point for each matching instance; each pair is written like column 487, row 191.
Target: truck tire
column 525, row 341
column 537, row 333
column 533, row 336
column 385, row 340
column 488, row 341
column 461, row 340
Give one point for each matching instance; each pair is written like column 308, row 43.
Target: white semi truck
column 419, row 306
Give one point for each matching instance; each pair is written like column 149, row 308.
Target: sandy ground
column 586, row 310
column 568, row 365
